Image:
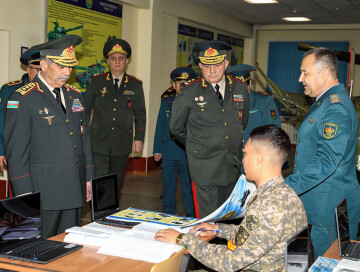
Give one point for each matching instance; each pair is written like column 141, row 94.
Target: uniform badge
column 311, row 120
column 49, row 118
column 103, row 92
column 13, row 104
column 252, row 222
column 241, row 236
column 196, row 98
column 129, row 103
column 231, row 246
column 46, row 110
column 41, row 111
column 240, row 114
column 253, row 111
column 238, row 98
column 202, row 104
column 128, row 92
column 330, row 130
column 334, row 98
column 201, row 98
column 273, row 114
column 76, row 106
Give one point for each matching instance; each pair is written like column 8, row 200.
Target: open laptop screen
column 105, row 196
column 19, row 219
column 342, row 221
column 297, row 252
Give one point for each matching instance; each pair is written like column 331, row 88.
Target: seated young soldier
column 274, row 213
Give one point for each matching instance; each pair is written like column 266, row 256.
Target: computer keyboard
column 36, row 249
column 353, row 250
column 117, row 223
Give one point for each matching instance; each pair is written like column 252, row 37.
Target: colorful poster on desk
column 92, row 20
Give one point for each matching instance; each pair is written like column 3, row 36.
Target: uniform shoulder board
column 24, row 90
column 191, row 81
column 134, row 78
column 237, row 78
column 15, row 82
column 70, row 87
column 262, row 93
column 169, row 92
column 96, row 75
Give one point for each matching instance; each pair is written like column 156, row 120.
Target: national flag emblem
column 13, row 104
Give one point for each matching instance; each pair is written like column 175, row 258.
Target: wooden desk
column 84, row 260
column 333, row 251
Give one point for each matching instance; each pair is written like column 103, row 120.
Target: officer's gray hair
column 324, row 58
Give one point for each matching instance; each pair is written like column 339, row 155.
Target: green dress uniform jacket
column 325, row 166
column 47, row 151
column 213, row 135
column 5, row 91
column 114, row 112
column 274, row 214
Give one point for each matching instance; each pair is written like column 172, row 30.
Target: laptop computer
column 105, row 201
column 20, row 232
column 347, row 249
column 297, row 252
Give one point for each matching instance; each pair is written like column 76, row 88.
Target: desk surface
column 85, row 260
column 333, row 251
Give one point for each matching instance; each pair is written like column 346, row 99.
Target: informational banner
column 237, row 53
column 94, row 21
column 188, row 36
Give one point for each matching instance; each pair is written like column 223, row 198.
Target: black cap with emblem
column 211, row 52
column 30, row 56
column 115, row 45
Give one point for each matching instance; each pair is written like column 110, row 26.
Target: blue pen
column 217, row 231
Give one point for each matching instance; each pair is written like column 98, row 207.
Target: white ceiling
column 319, row 11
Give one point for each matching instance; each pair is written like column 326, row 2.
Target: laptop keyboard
column 116, row 223
column 35, row 249
column 353, row 250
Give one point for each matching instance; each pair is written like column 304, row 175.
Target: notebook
column 347, row 249
column 21, row 239
column 297, row 252
column 105, row 201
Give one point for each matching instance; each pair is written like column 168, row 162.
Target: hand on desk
column 88, row 191
column 167, row 236
column 205, row 229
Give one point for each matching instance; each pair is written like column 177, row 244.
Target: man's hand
column 167, row 236
column 137, row 146
column 88, row 191
column 157, row 157
column 205, row 229
column 3, row 162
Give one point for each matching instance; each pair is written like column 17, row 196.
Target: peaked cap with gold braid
column 241, row 70
column 114, row 45
column 211, row 52
column 60, row 51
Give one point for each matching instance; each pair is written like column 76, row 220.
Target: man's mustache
column 63, row 77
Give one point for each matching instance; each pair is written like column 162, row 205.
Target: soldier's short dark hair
column 326, row 58
column 274, row 137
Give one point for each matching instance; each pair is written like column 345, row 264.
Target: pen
column 217, row 231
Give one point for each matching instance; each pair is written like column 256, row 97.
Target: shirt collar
column 317, row 98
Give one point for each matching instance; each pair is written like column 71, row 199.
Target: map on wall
column 94, row 21
column 237, row 53
column 188, row 36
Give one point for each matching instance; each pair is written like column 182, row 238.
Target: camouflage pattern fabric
column 274, row 214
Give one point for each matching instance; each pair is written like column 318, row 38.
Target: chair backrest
column 172, row 264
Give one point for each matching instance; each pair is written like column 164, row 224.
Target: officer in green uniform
column 30, row 59
column 263, row 110
column 47, row 139
column 209, row 117
column 113, row 101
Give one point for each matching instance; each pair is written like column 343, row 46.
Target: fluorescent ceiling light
column 262, row 1
column 296, row 19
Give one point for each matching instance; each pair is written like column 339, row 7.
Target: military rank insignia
column 128, row 92
column 330, row 130
column 238, row 98
column 103, row 92
column 231, row 245
column 311, row 120
column 334, row 98
column 240, row 114
column 273, row 114
column 76, row 106
column 12, row 104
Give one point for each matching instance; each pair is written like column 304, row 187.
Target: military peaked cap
column 211, row 52
column 30, row 56
column 182, row 73
column 241, row 70
column 114, row 45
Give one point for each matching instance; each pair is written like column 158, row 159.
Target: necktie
column 221, row 100
column 116, row 84
column 58, row 98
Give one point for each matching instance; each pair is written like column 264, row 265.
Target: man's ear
column 259, row 158
column 174, row 85
column 43, row 64
column 325, row 74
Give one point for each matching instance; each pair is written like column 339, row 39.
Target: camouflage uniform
column 274, row 214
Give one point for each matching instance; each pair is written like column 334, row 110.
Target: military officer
column 208, row 116
column 324, row 170
column 170, row 151
column 274, row 213
column 47, row 140
column 117, row 100
column 30, row 59
column 263, row 110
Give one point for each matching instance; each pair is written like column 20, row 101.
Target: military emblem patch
column 273, row 114
column 334, row 98
column 231, row 246
column 238, row 98
column 330, row 130
column 252, row 222
column 128, row 92
column 241, row 236
column 311, row 120
column 76, row 106
column 240, row 114
column 13, row 104
column 253, row 111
